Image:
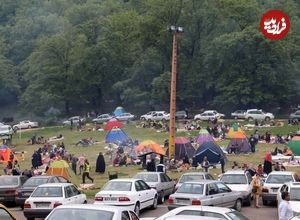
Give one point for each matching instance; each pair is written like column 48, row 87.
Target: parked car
column 193, row 176
column 273, row 182
column 206, row 116
column 147, row 116
column 258, row 114
column 191, row 217
column 125, row 117
column 208, row 211
column 160, row 116
column 102, row 118
column 25, row 124
column 295, row 115
column 28, row 187
column 294, row 190
column 238, row 114
column 239, row 180
column 205, row 192
column 131, row 193
column 48, row 196
column 8, row 187
column 219, row 115
column 5, row 214
column 75, row 120
column 161, row 182
column 181, row 115
column 6, row 130
column 91, row 212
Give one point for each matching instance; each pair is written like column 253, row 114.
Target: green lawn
column 71, row 137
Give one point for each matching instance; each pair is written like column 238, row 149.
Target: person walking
column 222, row 162
column 268, row 163
column 205, row 164
column 86, row 171
column 252, row 141
column 100, row 164
column 285, row 210
column 256, row 189
column 74, row 161
column 81, row 160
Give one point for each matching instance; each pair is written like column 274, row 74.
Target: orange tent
column 148, row 147
column 4, row 154
column 60, row 168
column 235, row 134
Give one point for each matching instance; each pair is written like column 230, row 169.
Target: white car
column 209, row 115
column 294, row 190
column 191, row 217
column 6, row 130
column 193, row 176
column 102, row 118
column 258, row 114
column 48, row 196
column 91, row 212
column 131, row 193
column 207, row 211
column 160, row 116
column 238, row 114
column 75, row 120
column 239, row 180
column 125, row 117
column 25, row 124
column 273, row 182
column 147, row 116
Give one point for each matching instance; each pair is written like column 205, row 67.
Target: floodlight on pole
column 175, row 32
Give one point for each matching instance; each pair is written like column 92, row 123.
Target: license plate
column 26, row 194
column 110, row 199
column 183, row 201
column 275, row 190
column 42, row 205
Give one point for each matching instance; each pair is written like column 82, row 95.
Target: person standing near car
column 285, row 209
column 256, row 189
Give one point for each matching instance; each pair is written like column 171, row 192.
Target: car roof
column 123, row 180
column 149, row 173
column 235, row 172
column 195, row 173
column 282, row 173
column 206, row 208
column 190, row 217
column 55, row 184
column 203, row 181
column 92, row 206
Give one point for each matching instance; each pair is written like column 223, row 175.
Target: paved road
column 263, row 213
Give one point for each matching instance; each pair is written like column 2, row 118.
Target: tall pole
column 172, row 126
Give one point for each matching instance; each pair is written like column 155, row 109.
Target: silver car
column 163, row 184
column 193, row 176
column 206, row 192
column 102, row 118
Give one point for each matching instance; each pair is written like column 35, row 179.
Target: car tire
column 30, row 218
column 161, row 198
column 154, row 206
column 29, row 126
column 235, row 117
column 238, row 205
column 22, row 206
column 137, row 209
column 250, row 119
column 248, row 200
column 85, row 202
column 265, row 202
column 267, row 119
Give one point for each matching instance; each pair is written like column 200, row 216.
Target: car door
column 79, row 198
column 141, row 194
column 225, row 192
column 169, row 184
column 147, row 194
column 213, row 198
column 69, row 196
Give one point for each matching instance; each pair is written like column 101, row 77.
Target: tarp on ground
column 182, row 147
column 211, row 150
column 294, row 145
column 60, row 168
column 116, row 135
column 113, row 123
column 149, row 146
column 119, row 110
column 203, row 136
column 241, row 144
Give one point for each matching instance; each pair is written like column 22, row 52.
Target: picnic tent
column 234, row 131
column 294, row 145
column 239, row 142
column 211, row 150
column 182, row 147
column 60, row 168
column 116, row 135
column 113, row 123
column 203, row 136
column 149, row 146
column 5, row 153
column 119, row 110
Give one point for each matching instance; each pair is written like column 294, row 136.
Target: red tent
column 113, row 123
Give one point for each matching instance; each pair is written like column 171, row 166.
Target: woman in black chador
column 100, row 164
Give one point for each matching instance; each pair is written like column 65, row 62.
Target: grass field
column 71, row 137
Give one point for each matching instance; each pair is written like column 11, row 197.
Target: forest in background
column 80, row 55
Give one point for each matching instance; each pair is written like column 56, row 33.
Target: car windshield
column 279, row 179
column 147, row 177
column 48, row 192
column 186, row 178
column 235, row 215
column 295, row 194
column 81, row 214
column 35, row 181
column 191, row 188
column 117, row 186
column 8, row 181
column 234, row 179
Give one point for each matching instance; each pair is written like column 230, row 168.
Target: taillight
column 124, row 199
column 99, row 198
column 10, row 191
column 27, row 206
column 56, row 204
column 265, row 190
column 171, row 201
column 196, row 202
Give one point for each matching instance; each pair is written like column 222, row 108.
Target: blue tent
column 116, row 135
column 119, row 110
column 211, row 150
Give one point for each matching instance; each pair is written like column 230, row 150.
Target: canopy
column 116, row 135
column 211, row 150
column 5, row 154
column 236, row 133
column 203, row 136
column 241, row 144
column 294, row 145
column 60, row 168
column 113, row 123
column 149, row 146
column 119, row 110
column 183, row 147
